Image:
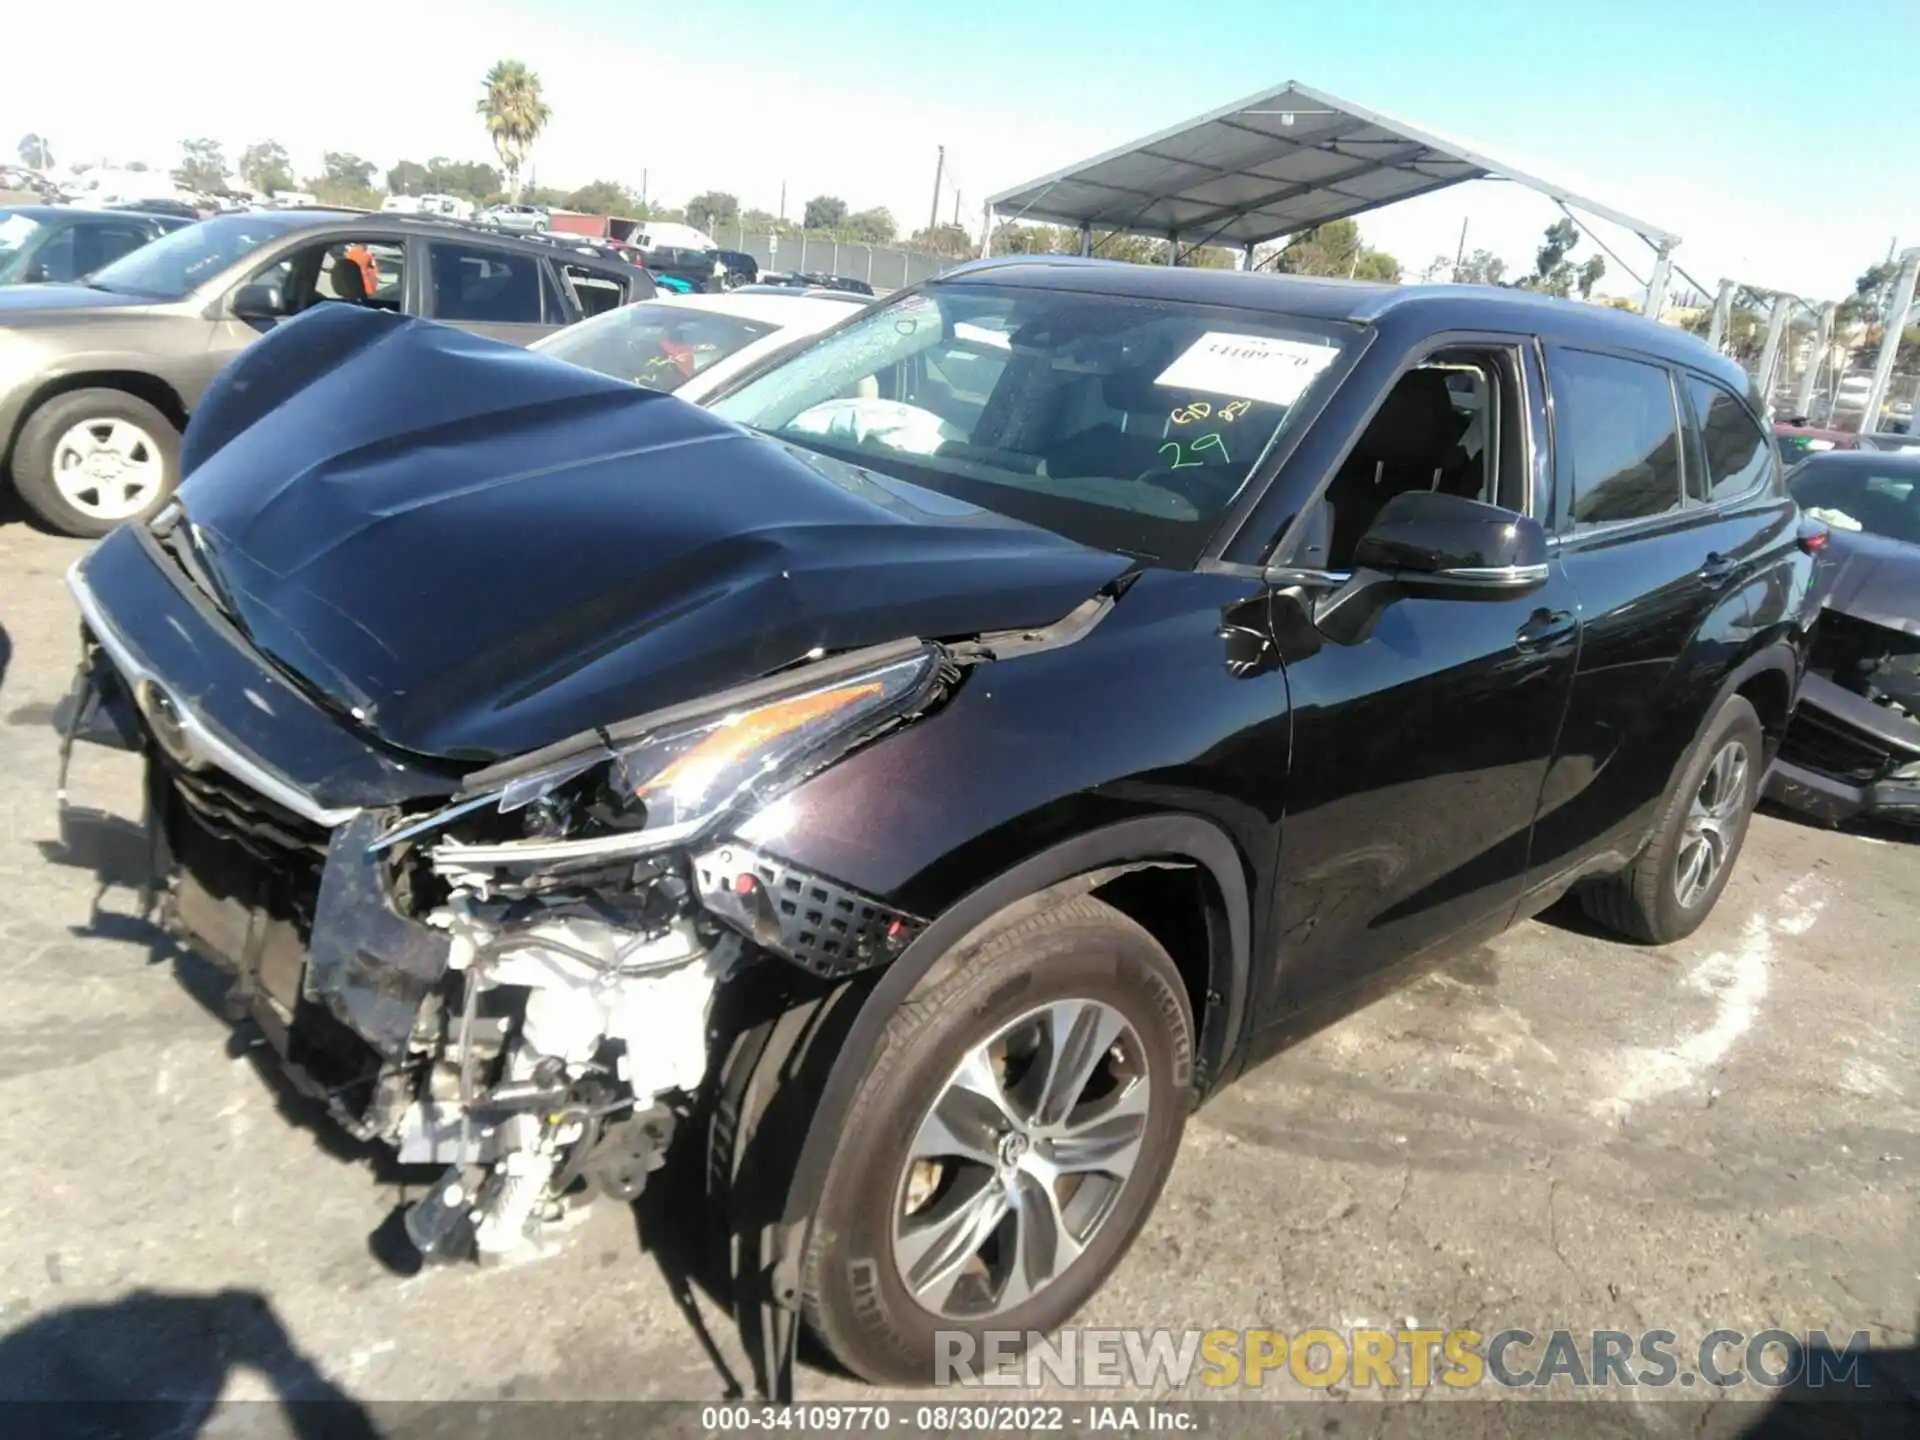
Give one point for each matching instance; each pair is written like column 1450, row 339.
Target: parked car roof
column 54, row 214
column 1357, row 301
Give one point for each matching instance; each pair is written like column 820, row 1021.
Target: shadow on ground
column 154, row 1364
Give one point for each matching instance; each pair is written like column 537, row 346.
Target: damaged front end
column 1853, row 746
column 515, row 982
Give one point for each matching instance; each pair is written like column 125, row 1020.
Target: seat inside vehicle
column 1452, row 424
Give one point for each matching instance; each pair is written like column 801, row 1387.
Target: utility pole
column 1460, row 255
column 939, row 170
column 956, row 209
column 783, row 202
column 643, row 189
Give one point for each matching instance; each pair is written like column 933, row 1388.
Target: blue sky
column 1691, row 114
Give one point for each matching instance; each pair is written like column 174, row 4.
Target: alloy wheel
column 1713, row 820
column 1021, row 1159
column 108, row 468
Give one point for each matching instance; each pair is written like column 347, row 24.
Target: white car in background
column 690, row 345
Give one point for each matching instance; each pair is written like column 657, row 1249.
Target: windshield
column 1880, row 500
column 658, row 346
column 16, row 237
column 1127, row 424
column 177, row 262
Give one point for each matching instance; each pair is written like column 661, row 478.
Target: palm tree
column 514, row 114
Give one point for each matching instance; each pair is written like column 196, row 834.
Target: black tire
column 854, row 1301
column 33, row 456
column 1642, row 902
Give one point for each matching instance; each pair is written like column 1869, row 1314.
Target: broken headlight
column 664, row 779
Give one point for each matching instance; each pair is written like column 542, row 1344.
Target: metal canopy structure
column 1273, row 164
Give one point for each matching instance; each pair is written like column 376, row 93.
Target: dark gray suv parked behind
column 97, row 378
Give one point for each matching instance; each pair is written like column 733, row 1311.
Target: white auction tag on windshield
column 1252, row 367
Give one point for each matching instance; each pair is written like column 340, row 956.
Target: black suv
column 894, row 796
column 97, row 378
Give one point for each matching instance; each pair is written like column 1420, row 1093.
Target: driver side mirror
column 1428, row 546
column 259, row 302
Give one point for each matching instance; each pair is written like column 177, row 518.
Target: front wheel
column 89, row 460
column 1006, row 1145
column 1674, row 883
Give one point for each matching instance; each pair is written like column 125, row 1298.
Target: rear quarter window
column 1739, row 457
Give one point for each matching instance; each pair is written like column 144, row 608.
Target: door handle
column 1718, row 570
column 1544, row 628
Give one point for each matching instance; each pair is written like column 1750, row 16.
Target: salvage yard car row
column 916, row 779
column 97, row 378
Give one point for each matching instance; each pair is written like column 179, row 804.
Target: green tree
column 1867, row 354
column 603, row 197
column 407, row 177
column 1377, row 265
column 1745, row 335
column 138, row 167
column 265, row 167
column 765, row 222
column 515, row 114
column 1335, row 249
column 203, row 166
column 1588, row 275
column 1113, row 245
column 711, row 209
column 347, row 170
column 875, row 227
column 948, row 241
column 1019, row 240
column 826, row 212
column 551, row 196
column 35, row 153
column 1482, row 267
column 1870, row 294
column 1553, row 273
column 469, row 179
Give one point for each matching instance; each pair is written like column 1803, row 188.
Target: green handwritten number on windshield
column 1186, row 454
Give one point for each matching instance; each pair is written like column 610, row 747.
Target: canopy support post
column 1816, row 357
column 1657, row 282
column 1770, row 352
column 1722, row 315
column 1896, row 322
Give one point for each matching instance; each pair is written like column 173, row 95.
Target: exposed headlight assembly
column 664, row 779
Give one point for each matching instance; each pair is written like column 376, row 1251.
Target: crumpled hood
column 1872, row 578
column 477, row 551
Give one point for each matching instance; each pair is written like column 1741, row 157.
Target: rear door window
column 1738, row 458
column 482, row 286
column 1618, row 435
column 595, row 291
column 98, row 245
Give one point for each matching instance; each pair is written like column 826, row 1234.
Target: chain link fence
column 884, row 267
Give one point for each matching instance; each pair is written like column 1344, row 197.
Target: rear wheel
column 1006, row 1145
column 1672, row 887
column 89, row 460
